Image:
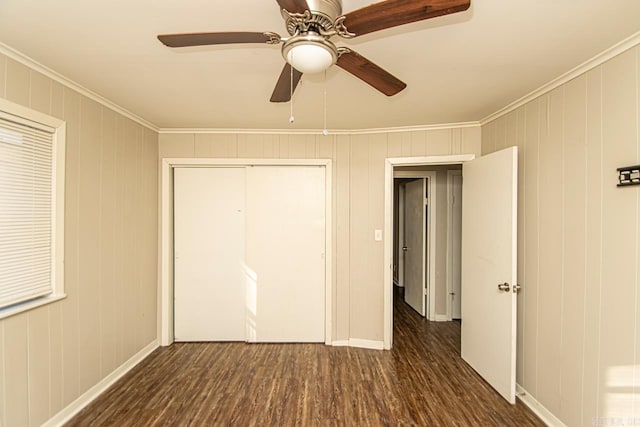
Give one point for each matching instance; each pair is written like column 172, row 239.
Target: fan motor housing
column 323, row 15
column 329, row 8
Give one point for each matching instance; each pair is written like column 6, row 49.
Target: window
column 31, row 208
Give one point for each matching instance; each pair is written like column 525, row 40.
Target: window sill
column 29, row 305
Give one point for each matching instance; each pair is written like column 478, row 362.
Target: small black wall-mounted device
column 629, row 175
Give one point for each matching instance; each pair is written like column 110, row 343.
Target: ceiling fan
column 312, row 23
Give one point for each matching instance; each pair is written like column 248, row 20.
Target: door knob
column 504, row 287
column 404, row 248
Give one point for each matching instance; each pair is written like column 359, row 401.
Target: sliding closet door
column 285, row 253
column 209, row 243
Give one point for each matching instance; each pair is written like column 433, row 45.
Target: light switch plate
column 377, row 235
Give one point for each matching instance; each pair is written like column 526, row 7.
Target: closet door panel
column 209, row 249
column 285, row 254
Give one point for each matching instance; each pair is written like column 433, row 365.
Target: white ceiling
column 458, row 68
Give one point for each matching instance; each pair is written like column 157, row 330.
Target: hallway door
column 414, row 245
column 489, row 224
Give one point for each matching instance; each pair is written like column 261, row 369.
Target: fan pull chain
column 291, row 118
column 325, row 132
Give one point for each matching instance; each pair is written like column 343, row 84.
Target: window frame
column 10, row 110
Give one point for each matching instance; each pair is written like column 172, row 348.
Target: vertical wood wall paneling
column 149, row 233
column 3, row 345
column 342, row 225
column 16, row 368
column 51, row 354
column 575, row 196
column 377, row 145
column 70, row 304
column 395, row 144
column 593, row 272
column 39, row 345
column 580, row 330
column 418, row 143
column 56, row 319
column 39, row 353
column 108, row 242
column 89, row 331
column 550, row 283
column 3, row 71
column 40, row 92
column 359, row 236
column 619, row 246
column 17, row 86
column 532, row 243
column 177, row 145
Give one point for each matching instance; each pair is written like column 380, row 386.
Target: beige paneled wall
column 358, row 200
column 579, row 244
column 49, row 356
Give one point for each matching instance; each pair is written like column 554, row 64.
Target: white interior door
column 286, row 254
column 489, row 215
column 209, row 244
column 414, row 245
column 456, row 245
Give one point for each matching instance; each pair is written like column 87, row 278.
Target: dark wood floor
column 422, row 381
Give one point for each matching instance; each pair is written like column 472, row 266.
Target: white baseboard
column 370, row 344
column 536, row 407
column 340, row 343
column 442, row 318
column 87, row 397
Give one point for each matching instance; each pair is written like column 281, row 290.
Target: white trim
column 586, row 66
column 388, row 226
column 536, row 407
column 36, row 66
column 450, row 173
column 370, row 344
column 461, row 125
column 340, row 343
column 30, row 305
column 166, row 232
column 441, row 318
column 87, row 397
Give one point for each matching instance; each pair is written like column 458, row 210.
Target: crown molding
column 319, row 131
column 586, row 66
column 36, row 66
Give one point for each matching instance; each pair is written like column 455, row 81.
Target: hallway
column 422, row 381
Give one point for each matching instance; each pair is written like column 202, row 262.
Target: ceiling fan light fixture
column 309, row 53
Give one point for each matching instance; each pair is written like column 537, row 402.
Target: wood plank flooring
column 421, row 382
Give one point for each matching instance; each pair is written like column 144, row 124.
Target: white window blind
column 26, row 189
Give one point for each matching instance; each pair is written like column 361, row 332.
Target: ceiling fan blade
column 282, row 91
column 391, row 13
column 202, row 39
column 293, row 6
column 370, row 73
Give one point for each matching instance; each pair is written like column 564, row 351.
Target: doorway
column 414, row 238
column 167, row 271
column 390, row 167
column 440, row 257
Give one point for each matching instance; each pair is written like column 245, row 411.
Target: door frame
column 390, row 163
column 450, row 174
column 429, row 244
column 165, row 250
